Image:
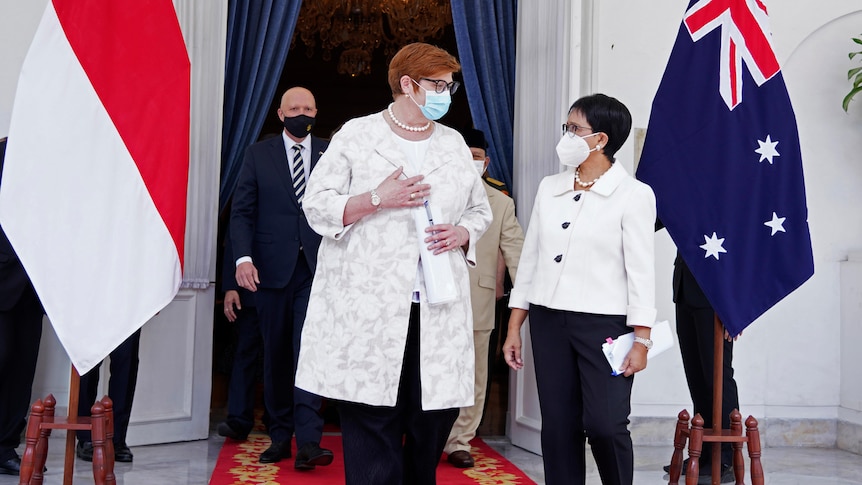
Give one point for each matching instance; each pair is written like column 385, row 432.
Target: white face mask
column 480, row 166
column 573, row 150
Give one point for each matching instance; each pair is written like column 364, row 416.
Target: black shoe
column 12, row 466
column 123, row 454
column 228, row 431
column 705, row 476
column 707, row 467
column 684, row 467
column 461, row 459
column 312, row 455
column 276, row 451
column 84, row 450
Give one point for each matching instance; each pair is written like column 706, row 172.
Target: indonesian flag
column 93, row 194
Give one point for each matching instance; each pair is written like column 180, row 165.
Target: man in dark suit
column 239, row 309
column 121, row 389
column 276, row 254
column 695, row 327
column 20, row 332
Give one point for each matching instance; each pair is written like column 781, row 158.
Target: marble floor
column 191, row 463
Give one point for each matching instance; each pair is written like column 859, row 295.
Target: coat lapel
column 436, row 156
column 317, row 149
column 278, row 158
column 387, row 148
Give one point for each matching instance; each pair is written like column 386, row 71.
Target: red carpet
column 237, row 465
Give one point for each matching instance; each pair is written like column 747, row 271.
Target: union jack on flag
column 722, row 155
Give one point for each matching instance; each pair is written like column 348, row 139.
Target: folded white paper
column 617, row 349
column 439, row 281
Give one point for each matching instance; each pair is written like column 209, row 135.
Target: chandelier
column 359, row 27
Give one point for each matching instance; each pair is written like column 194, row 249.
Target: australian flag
column 722, row 155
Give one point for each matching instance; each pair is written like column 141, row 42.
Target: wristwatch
column 644, row 341
column 375, row 199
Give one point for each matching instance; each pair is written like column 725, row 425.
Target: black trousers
column 396, row 445
column 695, row 327
column 20, row 332
column 240, row 396
column 282, row 312
column 579, row 398
column 121, row 387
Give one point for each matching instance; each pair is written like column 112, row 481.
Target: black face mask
column 299, row 126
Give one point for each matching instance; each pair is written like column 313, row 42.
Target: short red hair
column 419, row 60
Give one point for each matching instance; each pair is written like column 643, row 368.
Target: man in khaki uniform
column 502, row 241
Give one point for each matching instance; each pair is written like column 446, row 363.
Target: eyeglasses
column 441, row 86
column 572, row 129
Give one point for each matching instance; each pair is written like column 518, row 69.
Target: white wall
column 850, row 412
column 796, row 365
column 789, row 362
column 16, row 31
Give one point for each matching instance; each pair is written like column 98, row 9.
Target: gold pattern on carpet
column 489, row 470
column 248, row 469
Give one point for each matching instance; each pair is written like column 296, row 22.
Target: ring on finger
column 412, row 195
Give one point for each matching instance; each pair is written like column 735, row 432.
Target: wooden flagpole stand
column 42, row 421
column 697, row 436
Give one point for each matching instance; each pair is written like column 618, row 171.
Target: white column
column 172, row 402
column 549, row 76
column 204, row 26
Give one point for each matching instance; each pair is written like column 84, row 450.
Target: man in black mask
column 276, row 255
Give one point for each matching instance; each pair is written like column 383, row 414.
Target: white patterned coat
column 355, row 329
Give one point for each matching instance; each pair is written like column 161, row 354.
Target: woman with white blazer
column 586, row 274
column 398, row 366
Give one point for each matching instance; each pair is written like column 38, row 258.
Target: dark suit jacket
column 13, row 279
column 266, row 220
column 685, row 287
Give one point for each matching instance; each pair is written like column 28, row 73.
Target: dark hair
column 475, row 138
column 606, row 115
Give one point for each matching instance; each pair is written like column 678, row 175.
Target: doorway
column 339, row 98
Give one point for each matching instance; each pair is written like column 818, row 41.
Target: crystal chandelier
column 359, row 27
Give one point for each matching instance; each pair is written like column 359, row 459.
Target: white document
column 439, row 281
column 617, row 349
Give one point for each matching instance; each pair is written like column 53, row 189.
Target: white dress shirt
column 591, row 251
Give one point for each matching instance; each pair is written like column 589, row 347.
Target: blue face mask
column 436, row 104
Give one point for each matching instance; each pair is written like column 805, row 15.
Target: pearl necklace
column 585, row 184
column 404, row 126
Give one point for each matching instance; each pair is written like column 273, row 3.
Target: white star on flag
column 776, row 224
column 712, row 245
column 767, row 149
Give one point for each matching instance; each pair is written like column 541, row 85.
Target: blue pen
column 430, row 217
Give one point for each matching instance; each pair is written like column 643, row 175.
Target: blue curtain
column 485, row 31
column 258, row 38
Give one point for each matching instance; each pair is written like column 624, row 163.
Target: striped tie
column 298, row 173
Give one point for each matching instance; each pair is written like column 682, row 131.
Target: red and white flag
column 93, row 194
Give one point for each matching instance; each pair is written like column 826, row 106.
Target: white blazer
column 601, row 260
column 355, row 329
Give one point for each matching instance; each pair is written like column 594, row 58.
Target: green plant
column 855, row 75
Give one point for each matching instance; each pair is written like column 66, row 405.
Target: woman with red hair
column 395, row 191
